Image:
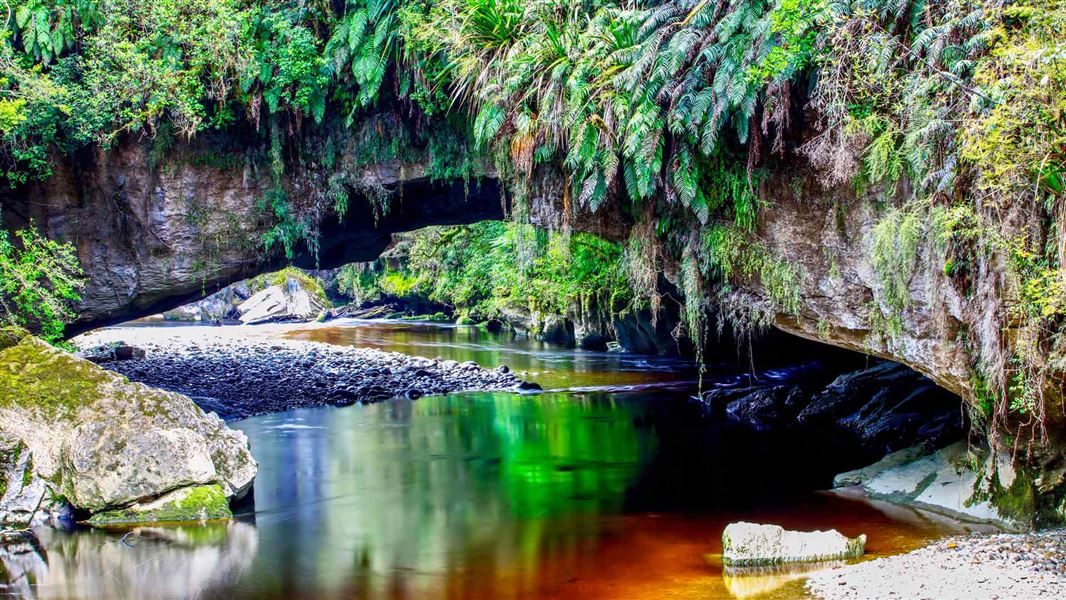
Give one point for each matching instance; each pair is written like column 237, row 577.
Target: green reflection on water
column 472, row 483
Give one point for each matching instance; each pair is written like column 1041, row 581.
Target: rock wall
column 154, row 231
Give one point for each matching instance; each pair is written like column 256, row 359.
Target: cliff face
column 153, row 232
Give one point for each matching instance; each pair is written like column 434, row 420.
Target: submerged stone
column 755, row 545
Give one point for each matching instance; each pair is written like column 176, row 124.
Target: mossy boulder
column 104, row 443
column 107, row 465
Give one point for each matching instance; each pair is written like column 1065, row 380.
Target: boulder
column 287, row 302
column 102, row 442
column 879, row 410
column 128, row 353
column 755, row 545
column 952, row 481
column 767, row 407
column 888, row 407
column 220, row 306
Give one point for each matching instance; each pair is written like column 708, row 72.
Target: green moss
column 465, row 320
column 34, row 374
column 27, row 473
column 200, row 503
column 279, row 278
column 9, row 336
column 436, row 317
column 222, row 161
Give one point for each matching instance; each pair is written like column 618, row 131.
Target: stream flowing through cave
column 613, row 483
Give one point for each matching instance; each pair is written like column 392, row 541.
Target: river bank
column 1017, row 566
column 243, row 371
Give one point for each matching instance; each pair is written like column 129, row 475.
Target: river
column 613, row 483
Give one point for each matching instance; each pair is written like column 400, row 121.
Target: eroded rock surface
column 100, row 442
column 960, row 481
column 884, row 408
column 278, row 303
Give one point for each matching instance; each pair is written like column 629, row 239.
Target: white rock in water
column 276, row 303
column 754, row 545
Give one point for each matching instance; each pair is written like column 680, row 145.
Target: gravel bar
column 239, row 376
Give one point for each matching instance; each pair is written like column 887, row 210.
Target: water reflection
column 164, row 562
column 447, row 486
column 492, row 496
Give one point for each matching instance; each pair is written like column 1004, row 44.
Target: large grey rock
column 754, row 545
column 220, row 306
column 105, row 465
column 108, row 441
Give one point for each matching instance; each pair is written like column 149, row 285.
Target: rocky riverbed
column 239, row 372
column 1015, row 566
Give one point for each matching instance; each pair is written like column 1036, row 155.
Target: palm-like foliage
column 361, row 46
column 628, row 99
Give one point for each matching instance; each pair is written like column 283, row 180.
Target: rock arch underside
column 152, row 234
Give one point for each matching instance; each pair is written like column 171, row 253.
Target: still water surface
column 618, row 487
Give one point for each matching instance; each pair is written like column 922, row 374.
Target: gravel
column 1014, row 566
column 239, row 374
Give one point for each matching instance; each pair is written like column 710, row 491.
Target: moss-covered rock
column 197, row 503
column 104, row 442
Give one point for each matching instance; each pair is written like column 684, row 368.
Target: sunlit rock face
column 80, row 434
column 172, row 562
